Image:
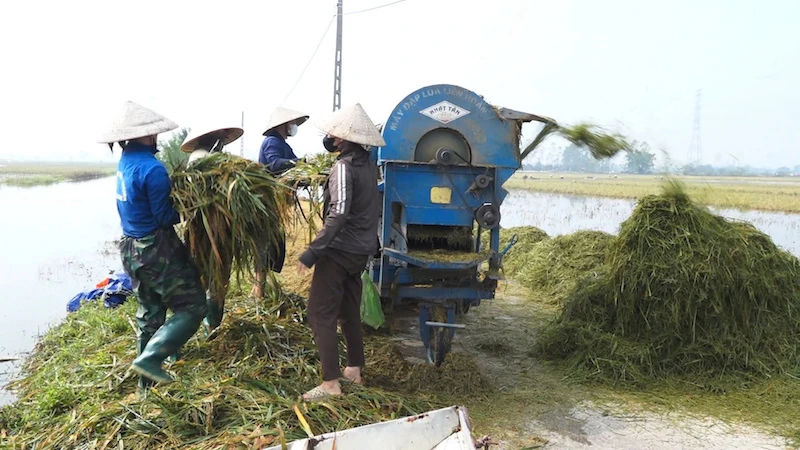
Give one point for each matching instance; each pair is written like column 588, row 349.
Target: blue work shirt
column 143, row 188
column 275, row 153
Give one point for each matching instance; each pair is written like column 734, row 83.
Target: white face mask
column 292, row 129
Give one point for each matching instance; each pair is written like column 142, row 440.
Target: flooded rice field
column 56, row 241
column 559, row 214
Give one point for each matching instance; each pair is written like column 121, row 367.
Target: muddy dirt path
column 535, row 407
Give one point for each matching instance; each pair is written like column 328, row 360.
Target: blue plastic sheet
column 114, row 291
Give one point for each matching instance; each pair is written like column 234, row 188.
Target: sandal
column 317, row 394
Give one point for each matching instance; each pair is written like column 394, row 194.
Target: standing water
column 559, row 214
column 55, row 241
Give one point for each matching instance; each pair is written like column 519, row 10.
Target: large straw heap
column 232, row 209
column 683, row 292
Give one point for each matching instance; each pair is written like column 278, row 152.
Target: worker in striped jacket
column 341, row 250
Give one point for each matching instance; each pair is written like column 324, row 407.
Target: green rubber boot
column 213, row 319
column 144, row 382
column 165, row 342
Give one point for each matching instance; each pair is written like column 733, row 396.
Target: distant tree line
column 641, row 160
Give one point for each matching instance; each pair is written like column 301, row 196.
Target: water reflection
column 560, row 214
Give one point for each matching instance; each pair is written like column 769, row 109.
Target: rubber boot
column 166, row 341
column 213, row 319
column 144, row 382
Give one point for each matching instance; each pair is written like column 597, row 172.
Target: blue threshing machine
column 447, row 154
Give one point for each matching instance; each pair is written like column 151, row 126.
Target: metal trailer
column 442, row 429
column 447, row 154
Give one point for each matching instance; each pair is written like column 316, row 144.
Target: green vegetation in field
column 767, row 194
column 26, row 174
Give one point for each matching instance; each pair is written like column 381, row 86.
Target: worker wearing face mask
column 277, row 155
column 152, row 254
column 342, row 248
column 200, row 144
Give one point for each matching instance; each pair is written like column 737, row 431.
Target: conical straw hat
column 196, row 138
column 136, row 121
column 354, row 125
column 283, row 115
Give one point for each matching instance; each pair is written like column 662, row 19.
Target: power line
column 374, row 8
column 322, row 39
column 337, row 62
column 695, row 154
column 319, row 44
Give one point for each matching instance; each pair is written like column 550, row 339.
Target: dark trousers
column 335, row 296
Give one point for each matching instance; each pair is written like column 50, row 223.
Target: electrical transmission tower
column 337, row 68
column 695, row 155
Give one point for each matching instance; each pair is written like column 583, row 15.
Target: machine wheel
column 442, row 339
column 442, row 344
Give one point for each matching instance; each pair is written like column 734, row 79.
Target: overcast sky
column 632, row 66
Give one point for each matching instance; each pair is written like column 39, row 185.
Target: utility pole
column 241, row 144
column 695, row 155
column 337, row 67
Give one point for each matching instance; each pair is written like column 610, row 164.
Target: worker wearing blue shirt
column 151, row 252
column 278, row 157
column 275, row 153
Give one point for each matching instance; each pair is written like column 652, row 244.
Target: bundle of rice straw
column 309, row 176
column 232, row 209
column 599, row 142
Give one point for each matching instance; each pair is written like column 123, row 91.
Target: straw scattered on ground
column 240, row 390
column 684, row 292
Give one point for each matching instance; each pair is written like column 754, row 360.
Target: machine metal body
column 447, row 154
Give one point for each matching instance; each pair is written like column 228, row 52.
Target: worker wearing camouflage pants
column 167, row 279
column 152, row 254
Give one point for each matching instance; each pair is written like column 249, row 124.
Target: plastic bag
column 371, row 309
